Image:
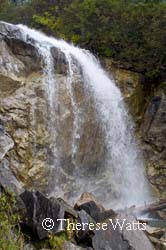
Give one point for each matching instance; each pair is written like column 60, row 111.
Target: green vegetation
column 54, row 242
column 131, row 32
column 57, row 241
column 10, row 236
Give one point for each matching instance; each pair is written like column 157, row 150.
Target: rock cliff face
column 24, row 114
column 153, row 132
column 148, row 108
column 20, row 88
column 26, row 149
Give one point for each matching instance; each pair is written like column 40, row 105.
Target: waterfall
column 121, row 180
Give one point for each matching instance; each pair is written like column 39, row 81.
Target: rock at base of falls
column 38, row 208
column 121, row 240
column 147, row 106
column 93, row 207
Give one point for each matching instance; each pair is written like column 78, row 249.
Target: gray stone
column 40, row 209
column 70, row 246
column 6, row 143
column 8, row 179
column 117, row 239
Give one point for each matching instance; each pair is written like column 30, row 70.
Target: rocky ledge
column 88, row 225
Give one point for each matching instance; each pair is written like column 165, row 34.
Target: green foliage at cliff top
column 131, row 32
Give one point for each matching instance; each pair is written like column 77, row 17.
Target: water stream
column 122, row 179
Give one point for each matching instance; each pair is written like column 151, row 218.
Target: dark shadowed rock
column 26, row 53
column 60, row 62
column 68, row 209
column 86, row 234
column 38, row 208
column 87, row 197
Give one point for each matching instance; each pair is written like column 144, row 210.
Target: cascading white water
column 76, row 123
column 123, row 171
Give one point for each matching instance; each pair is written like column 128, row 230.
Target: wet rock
column 159, row 244
column 40, row 208
column 157, row 236
column 132, row 87
column 154, row 137
column 147, row 106
column 24, row 109
column 60, row 62
column 87, row 197
column 26, row 53
column 89, row 203
column 155, row 232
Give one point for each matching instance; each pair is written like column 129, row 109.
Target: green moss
column 57, row 241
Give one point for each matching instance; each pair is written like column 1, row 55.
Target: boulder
column 155, row 232
column 109, row 240
column 43, row 213
column 89, row 203
column 159, row 244
column 121, row 238
column 85, row 234
column 157, row 237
